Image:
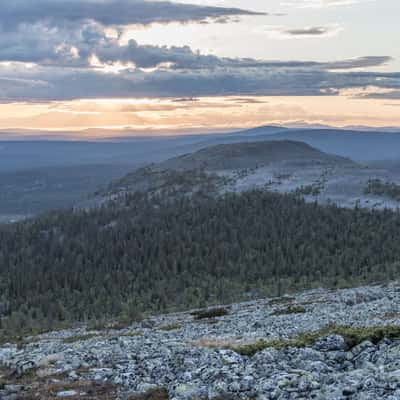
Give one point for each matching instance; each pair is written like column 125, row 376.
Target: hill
column 283, row 166
column 251, row 155
column 232, row 167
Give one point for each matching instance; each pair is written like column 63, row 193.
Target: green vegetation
column 379, row 188
column 210, row 313
column 151, row 254
column 353, row 336
column 168, row 181
column 281, row 300
column 309, row 190
column 171, row 327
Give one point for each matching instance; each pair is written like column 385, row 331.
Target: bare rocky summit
column 319, row 344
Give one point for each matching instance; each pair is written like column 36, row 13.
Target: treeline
column 381, row 188
column 146, row 254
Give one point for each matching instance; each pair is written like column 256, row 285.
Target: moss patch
column 352, row 336
column 128, row 334
column 281, row 300
column 171, row 327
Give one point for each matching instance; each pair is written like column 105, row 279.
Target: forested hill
column 147, row 254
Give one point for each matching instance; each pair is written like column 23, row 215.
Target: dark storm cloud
column 68, row 47
column 106, row 12
column 66, row 33
column 51, row 83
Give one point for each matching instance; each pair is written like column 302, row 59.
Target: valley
column 42, row 175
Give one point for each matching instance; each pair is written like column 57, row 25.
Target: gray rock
column 11, row 389
column 331, row 343
column 67, row 393
column 194, row 362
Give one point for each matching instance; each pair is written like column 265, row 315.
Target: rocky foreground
column 253, row 350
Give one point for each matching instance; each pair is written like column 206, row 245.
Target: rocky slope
column 281, row 166
column 253, row 350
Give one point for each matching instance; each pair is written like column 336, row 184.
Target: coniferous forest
column 150, row 254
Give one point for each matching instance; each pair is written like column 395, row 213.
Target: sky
column 198, row 65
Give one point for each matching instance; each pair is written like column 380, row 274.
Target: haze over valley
column 40, row 175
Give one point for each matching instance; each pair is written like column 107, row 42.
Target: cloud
column 89, row 46
column 282, row 32
column 45, row 62
column 323, row 3
column 359, row 62
column 69, row 34
column 310, row 31
column 270, row 79
column 246, row 100
column 106, row 12
column 56, row 50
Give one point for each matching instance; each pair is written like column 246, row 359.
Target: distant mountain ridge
column 355, row 144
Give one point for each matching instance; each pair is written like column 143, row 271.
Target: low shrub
column 290, row 310
column 210, row 313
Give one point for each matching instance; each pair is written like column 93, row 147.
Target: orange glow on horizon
column 206, row 113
